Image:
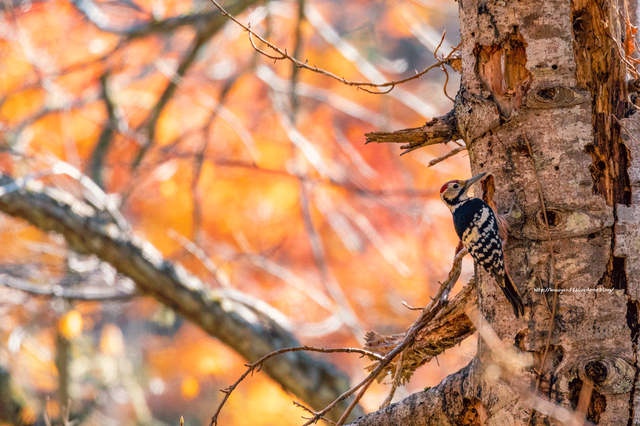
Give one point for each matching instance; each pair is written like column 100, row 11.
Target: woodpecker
column 477, row 227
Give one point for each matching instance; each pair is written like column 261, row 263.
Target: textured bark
column 248, row 328
column 549, row 74
column 448, row 404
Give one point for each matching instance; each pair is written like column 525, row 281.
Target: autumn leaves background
column 250, row 173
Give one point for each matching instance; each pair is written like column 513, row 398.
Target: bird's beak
column 469, row 182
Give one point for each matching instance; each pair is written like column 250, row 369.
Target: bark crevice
column 502, row 68
column 600, row 70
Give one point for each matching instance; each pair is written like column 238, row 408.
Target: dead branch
column 397, row 379
column 455, row 400
column 438, row 302
column 428, row 408
column 450, row 327
column 438, row 130
column 257, row 366
column 442, row 67
column 308, row 410
column 449, row 154
column 201, row 39
column 284, row 55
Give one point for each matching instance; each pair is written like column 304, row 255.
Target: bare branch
column 450, row 327
column 438, row 302
column 232, row 322
column 447, row 60
column 449, row 154
column 455, row 400
column 256, row 366
column 308, row 410
column 201, row 39
column 429, row 407
column 283, row 55
column 438, row 130
column 397, row 378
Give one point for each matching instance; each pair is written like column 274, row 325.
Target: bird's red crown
column 444, row 187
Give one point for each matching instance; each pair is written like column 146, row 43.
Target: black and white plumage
column 477, row 227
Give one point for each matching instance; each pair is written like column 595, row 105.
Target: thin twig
column 442, row 67
column 512, row 361
column 309, row 410
column 449, row 154
column 362, row 85
column 626, row 130
column 435, row 52
column 544, row 295
column 256, row 366
column 397, row 376
column 413, row 308
column 554, row 304
column 200, row 40
column 622, row 53
column 584, row 400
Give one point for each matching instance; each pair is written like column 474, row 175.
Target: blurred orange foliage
column 219, row 145
column 70, row 325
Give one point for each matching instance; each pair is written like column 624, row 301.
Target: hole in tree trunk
column 554, row 218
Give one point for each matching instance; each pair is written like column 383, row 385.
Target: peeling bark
column 600, row 71
column 502, row 69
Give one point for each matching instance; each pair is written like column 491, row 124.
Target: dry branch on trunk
column 438, row 130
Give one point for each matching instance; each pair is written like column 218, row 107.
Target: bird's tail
column 513, row 296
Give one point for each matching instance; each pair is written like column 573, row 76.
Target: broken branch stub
column 438, row 130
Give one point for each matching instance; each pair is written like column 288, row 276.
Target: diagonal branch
column 202, row 37
column 249, row 331
column 450, row 327
column 437, row 304
column 448, row 404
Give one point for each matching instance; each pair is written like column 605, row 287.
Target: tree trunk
column 549, row 75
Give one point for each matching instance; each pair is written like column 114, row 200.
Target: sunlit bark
column 549, row 74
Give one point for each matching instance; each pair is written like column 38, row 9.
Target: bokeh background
column 250, row 173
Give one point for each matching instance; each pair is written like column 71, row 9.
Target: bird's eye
column 456, row 186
